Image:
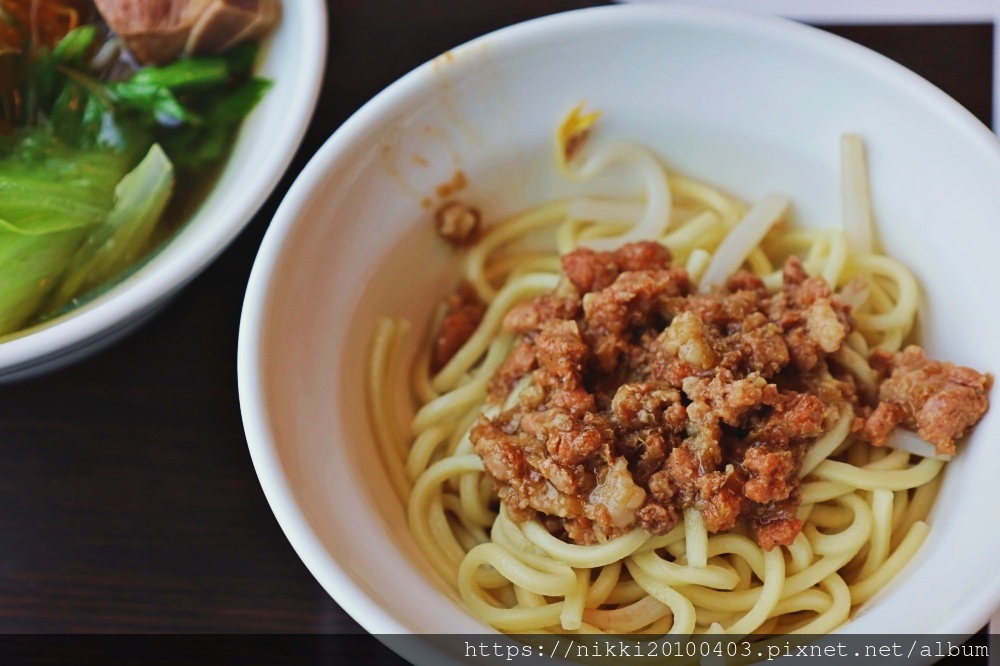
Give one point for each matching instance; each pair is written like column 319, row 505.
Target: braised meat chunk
column 159, row 31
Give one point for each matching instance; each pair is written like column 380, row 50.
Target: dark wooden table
column 128, row 502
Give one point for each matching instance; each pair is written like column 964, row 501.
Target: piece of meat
column 657, row 518
column 823, row 326
column 794, row 417
column 643, row 256
column 723, row 398
column 646, row 451
column 770, row 474
column 589, row 270
column 631, row 300
column 688, row 339
column 160, row 31
column 465, row 311
column 638, row 400
column 226, row 23
column 561, row 351
column 744, row 281
column 778, row 532
column 662, row 487
column 643, row 405
column 518, row 363
column 593, row 271
column 521, row 485
column 793, row 273
column 527, row 317
column 761, row 346
column 804, row 352
column 720, row 499
column 568, row 440
column 939, row 400
column 877, row 427
column 617, row 498
column 457, row 223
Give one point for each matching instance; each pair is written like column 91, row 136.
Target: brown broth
column 191, row 189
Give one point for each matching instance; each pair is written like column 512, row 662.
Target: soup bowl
column 293, row 58
column 751, row 105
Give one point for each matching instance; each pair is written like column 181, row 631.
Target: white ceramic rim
column 154, row 282
column 253, row 323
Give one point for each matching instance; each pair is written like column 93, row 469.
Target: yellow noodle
column 603, row 586
column 812, row 492
column 918, row 508
column 673, row 573
column 681, row 607
column 889, row 460
column 881, row 531
column 729, row 209
column 630, row 618
column 689, row 234
column 758, row 262
column 801, row 553
column 528, row 599
column 836, row 614
column 836, row 259
column 585, row 556
column 866, row 479
column 571, row 617
column 626, row 592
column 697, row 263
column 695, row 538
column 827, row 444
column 423, row 450
column 469, row 393
column 427, row 487
column 454, row 506
column 864, row 590
column 770, row 594
column 421, row 376
column 863, row 509
column 501, row 234
column 380, row 415
column 473, row 508
column 512, row 293
column 809, row 600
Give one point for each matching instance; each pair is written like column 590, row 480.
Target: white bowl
column 750, row 104
column 293, row 57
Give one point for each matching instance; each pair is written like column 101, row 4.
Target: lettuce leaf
column 71, row 221
column 51, row 197
column 140, row 199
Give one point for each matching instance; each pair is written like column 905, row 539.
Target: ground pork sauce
column 630, row 397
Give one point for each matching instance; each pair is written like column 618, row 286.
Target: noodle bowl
column 863, row 508
column 352, row 243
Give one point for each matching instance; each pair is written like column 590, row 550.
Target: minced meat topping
column 630, row 398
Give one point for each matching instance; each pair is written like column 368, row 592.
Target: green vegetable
column 191, row 107
column 158, row 100
column 74, row 46
column 194, row 106
column 51, row 197
column 189, row 73
column 199, row 144
column 87, row 165
column 140, row 199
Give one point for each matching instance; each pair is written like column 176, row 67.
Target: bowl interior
column 292, row 57
column 751, row 105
